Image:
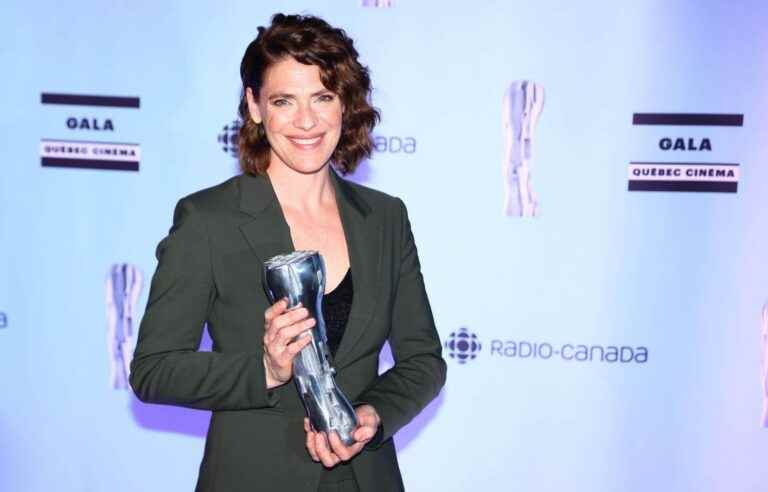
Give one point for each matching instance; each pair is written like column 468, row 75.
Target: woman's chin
column 306, row 167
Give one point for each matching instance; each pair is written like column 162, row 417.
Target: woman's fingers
column 275, row 310
column 285, row 335
column 364, row 434
column 289, row 318
column 368, row 423
column 295, row 347
column 283, row 328
column 282, row 341
column 310, row 440
column 329, row 450
column 345, row 453
column 286, row 342
column 328, row 458
column 366, row 419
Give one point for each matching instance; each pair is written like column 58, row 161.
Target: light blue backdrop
column 682, row 274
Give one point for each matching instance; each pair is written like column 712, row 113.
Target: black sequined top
column 336, row 306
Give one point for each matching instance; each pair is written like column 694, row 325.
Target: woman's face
column 302, row 119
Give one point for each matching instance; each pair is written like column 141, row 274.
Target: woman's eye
column 279, row 102
column 326, row 98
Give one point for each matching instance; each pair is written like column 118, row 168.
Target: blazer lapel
column 364, row 237
column 266, row 230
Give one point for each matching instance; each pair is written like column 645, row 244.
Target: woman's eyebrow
column 288, row 95
column 277, row 95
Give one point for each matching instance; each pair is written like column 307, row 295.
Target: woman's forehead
column 292, row 77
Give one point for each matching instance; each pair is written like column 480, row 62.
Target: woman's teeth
column 306, row 141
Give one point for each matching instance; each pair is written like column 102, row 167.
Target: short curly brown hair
column 311, row 41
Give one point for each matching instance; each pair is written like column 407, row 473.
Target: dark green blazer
column 209, row 271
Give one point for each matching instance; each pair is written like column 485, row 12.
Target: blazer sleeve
column 166, row 367
column 419, row 372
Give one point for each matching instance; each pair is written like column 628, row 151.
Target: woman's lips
column 306, row 143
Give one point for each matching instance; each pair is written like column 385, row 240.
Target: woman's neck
column 302, row 192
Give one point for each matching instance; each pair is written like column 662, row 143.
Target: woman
column 305, row 110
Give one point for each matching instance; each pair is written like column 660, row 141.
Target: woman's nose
column 305, row 117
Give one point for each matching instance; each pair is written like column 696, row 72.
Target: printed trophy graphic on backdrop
column 300, row 278
column 764, row 360
column 521, row 108
column 376, row 3
column 123, row 287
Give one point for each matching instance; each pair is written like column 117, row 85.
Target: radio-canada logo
column 228, row 138
column 463, row 345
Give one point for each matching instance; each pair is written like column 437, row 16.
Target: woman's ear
column 253, row 106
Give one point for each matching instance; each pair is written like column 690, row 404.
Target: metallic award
column 521, row 108
column 123, row 287
column 299, row 277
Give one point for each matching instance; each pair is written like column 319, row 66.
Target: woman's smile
column 306, row 143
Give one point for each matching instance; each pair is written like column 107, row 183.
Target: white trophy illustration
column 521, row 109
column 764, row 360
column 123, row 287
column 376, row 3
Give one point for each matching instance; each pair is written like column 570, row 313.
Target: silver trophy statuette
column 521, row 108
column 123, row 287
column 299, row 277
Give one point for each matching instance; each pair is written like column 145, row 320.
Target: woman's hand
column 330, row 450
column 280, row 328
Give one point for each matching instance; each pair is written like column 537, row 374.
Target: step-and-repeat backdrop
column 588, row 189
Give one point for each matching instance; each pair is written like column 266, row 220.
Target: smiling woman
column 306, row 112
column 297, row 50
